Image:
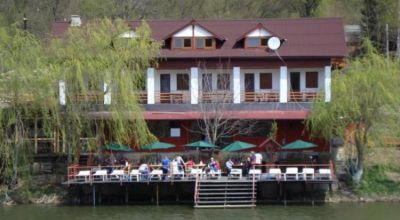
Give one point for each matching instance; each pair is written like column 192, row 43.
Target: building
column 208, row 61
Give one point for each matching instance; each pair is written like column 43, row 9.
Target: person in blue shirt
column 165, row 167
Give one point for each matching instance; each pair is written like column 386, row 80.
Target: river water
column 352, row 211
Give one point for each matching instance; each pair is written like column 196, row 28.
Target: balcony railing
column 304, row 96
column 93, row 97
column 172, row 97
column 217, row 96
column 270, row 96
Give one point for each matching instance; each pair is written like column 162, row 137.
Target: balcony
column 216, row 96
column 267, row 96
column 177, row 97
column 304, row 96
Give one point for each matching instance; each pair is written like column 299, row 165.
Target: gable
column 193, row 31
column 259, row 32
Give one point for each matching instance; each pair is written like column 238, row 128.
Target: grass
column 379, row 180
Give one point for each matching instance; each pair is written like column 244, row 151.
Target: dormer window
column 256, row 38
column 256, row 41
column 194, row 36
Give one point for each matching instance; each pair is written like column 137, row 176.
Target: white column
column 194, row 85
column 236, row 84
column 61, row 91
column 107, row 94
column 283, row 84
column 327, row 83
column 302, row 81
column 150, row 85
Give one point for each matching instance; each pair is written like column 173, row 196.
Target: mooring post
column 284, row 194
column 94, row 195
column 157, row 194
column 312, row 194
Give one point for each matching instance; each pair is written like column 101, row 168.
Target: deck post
column 157, row 194
column 94, row 195
column 284, row 194
column 126, row 195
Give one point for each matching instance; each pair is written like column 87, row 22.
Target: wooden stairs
column 225, row 193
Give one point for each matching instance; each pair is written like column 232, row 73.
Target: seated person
column 212, row 166
column 229, row 165
column 144, row 171
column 189, row 164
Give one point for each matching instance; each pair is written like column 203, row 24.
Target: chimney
column 75, row 21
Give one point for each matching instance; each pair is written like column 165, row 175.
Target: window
column 223, row 81
column 175, row 129
column 208, row 42
column 178, row 43
column 265, row 80
column 187, row 42
column 264, row 42
column 311, row 79
column 207, row 82
column 253, row 42
column 182, row 81
column 199, row 43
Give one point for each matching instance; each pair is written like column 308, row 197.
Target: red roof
column 306, row 37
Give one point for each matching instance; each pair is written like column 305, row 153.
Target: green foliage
column 379, row 180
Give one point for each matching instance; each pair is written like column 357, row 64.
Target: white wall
column 260, row 32
column 190, row 32
column 173, row 81
column 256, row 72
column 302, row 72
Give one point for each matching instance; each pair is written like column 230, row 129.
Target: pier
column 264, row 183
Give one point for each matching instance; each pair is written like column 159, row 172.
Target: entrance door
column 295, row 87
column 249, row 87
column 165, row 87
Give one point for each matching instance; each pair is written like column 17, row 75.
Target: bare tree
column 217, row 108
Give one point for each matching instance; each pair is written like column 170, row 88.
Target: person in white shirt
column 259, row 158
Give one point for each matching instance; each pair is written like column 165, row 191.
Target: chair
column 292, row 173
column 178, row 174
column 156, row 175
column 275, row 173
column 134, row 174
column 236, row 174
column 117, row 175
column 308, row 173
column 100, row 175
column 83, row 174
column 214, row 174
column 254, row 172
column 324, row 174
column 194, row 173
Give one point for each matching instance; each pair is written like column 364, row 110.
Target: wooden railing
column 272, row 96
column 223, row 96
column 304, row 96
column 172, row 97
column 89, row 97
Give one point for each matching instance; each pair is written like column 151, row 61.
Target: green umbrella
column 157, row 146
column 116, row 147
column 200, row 144
column 238, row 145
column 298, row 145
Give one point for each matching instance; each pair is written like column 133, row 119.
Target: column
column 327, row 83
column 236, row 84
column 61, row 91
column 150, row 86
column 107, row 94
column 194, row 85
column 283, row 84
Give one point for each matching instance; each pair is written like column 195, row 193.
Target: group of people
column 253, row 160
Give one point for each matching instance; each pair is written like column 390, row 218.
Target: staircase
column 225, row 193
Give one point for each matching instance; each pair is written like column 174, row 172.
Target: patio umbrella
column 298, row 145
column 116, row 147
column 157, row 146
column 237, row 146
column 200, row 144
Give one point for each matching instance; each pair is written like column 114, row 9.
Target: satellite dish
column 274, row 43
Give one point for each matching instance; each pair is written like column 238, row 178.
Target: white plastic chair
column 324, row 174
column 156, row 175
column 275, row 173
column 195, row 172
column 83, row 174
column 292, row 173
column 117, row 175
column 308, row 173
column 178, row 174
column 236, row 173
column 254, row 172
column 134, row 174
column 214, row 174
column 100, row 175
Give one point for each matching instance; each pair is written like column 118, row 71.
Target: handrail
column 196, row 185
column 253, row 199
column 304, row 96
column 262, row 96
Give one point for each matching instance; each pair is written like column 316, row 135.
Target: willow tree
column 364, row 98
column 102, row 66
column 25, row 93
